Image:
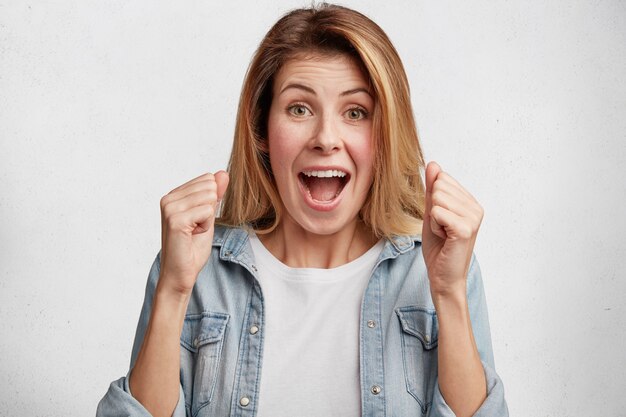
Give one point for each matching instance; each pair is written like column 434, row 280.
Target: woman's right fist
column 187, row 225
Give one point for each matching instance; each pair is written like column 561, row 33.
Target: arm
column 188, row 217
column 461, row 378
column 451, row 221
column 494, row 404
column 119, row 401
column 154, row 378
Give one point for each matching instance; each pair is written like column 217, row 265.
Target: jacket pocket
column 419, row 352
column 201, row 340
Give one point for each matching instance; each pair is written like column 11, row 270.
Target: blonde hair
column 395, row 205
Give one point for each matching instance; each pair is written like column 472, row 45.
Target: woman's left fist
column 452, row 217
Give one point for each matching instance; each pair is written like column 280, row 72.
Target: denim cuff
column 119, row 402
column 493, row 406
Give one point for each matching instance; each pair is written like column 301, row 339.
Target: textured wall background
column 106, row 106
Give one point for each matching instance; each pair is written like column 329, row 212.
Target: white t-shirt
column 311, row 340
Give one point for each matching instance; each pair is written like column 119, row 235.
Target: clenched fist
column 187, row 224
column 451, row 221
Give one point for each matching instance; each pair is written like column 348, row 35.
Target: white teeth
column 325, row 174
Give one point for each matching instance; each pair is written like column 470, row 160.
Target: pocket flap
column 421, row 323
column 200, row 329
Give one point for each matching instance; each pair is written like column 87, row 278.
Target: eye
column 298, row 110
column 356, row 113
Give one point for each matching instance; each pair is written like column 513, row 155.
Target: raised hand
column 187, row 225
column 188, row 221
column 451, row 221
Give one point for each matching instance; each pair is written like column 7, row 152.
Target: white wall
column 106, row 106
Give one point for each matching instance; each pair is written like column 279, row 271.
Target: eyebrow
column 355, row 91
column 310, row 90
column 298, row 87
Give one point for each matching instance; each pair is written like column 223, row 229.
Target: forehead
column 324, row 69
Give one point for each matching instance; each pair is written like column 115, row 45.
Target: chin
column 323, row 226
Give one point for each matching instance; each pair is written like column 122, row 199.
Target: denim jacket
column 222, row 338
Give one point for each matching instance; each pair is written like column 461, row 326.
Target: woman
column 333, row 282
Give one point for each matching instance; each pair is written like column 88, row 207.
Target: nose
column 327, row 138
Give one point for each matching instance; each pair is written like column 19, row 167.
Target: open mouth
column 324, row 186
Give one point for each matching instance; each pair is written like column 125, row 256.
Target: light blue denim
column 222, row 350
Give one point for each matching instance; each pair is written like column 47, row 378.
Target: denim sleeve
column 495, row 404
column 118, row 401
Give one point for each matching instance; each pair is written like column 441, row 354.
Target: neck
column 299, row 248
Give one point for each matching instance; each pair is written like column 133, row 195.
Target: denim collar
column 233, row 241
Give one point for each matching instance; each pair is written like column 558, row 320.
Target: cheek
column 362, row 152
column 285, row 140
column 282, row 149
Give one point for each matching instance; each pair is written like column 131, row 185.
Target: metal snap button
column 376, row 389
column 371, row 324
column 254, row 329
column 427, row 338
column 244, row 401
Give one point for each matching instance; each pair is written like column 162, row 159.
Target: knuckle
column 475, row 222
column 466, row 231
column 205, row 196
column 436, row 198
column 208, row 177
column 437, row 185
column 168, row 208
column 211, row 191
column 480, row 214
column 476, row 212
column 212, row 185
column 435, row 210
column 445, row 177
column 171, row 221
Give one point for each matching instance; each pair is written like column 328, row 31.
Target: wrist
column 176, row 283
column 454, row 289
column 169, row 309
column 169, row 295
column 450, row 298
